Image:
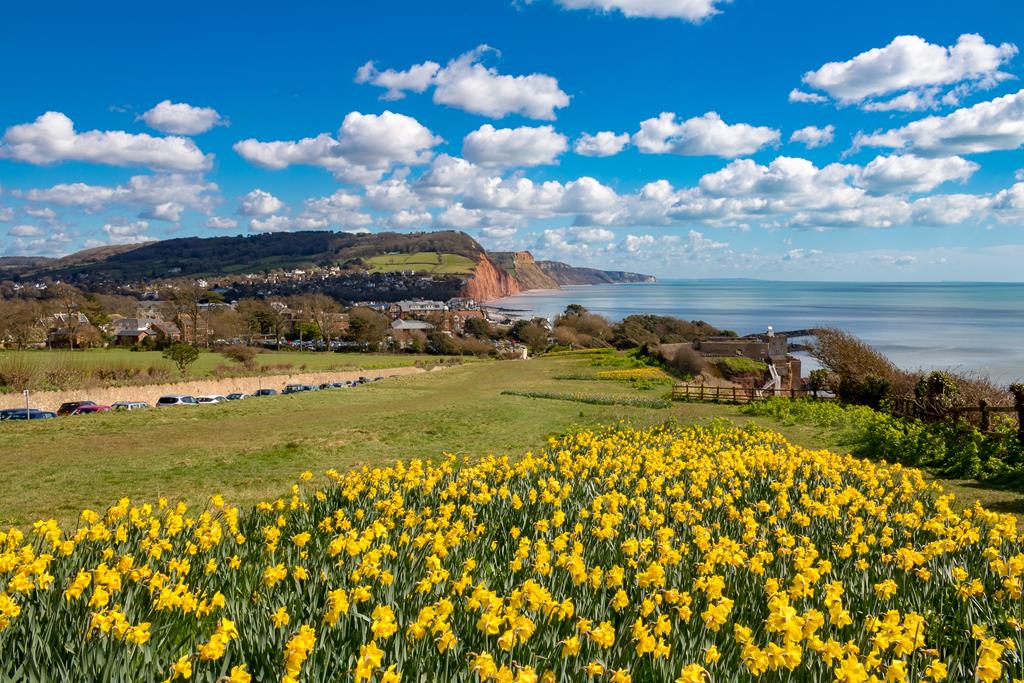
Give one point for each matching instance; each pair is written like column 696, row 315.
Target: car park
column 175, row 400
column 238, row 396
column 71, row 406
column 266, row 392
column 130, row 405
column 89, row 410
column 206, row 400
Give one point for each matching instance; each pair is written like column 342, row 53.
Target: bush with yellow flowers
column 627, row 555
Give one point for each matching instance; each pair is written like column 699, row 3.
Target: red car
column 87, row 410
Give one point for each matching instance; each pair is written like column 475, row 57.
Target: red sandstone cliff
column 488, row 281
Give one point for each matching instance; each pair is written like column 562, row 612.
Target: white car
column 130, row 405
column 175, row 400
column 210, row 399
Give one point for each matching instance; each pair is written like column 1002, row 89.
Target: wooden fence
column 981, row 414
column 717, row 394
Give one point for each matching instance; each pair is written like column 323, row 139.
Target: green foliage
column 640, row 330
column 734, row 366
column 946, row 448
column 819, row 380
column 182, row 355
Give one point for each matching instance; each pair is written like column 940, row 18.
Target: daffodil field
column 667, row 554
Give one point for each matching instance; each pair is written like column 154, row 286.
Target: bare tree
column 185, row 302
column 20, row 321
column 69, row 302
column 324, row 312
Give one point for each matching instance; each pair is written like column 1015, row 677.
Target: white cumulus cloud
column 181, row 119
column 52, row 138
column 367, row 145
column 813, row 137
column 259, row 203
column 706, row 135
column 523, row 146
column 910, row 173
column 603, row 144
column 911, row 64
column 990, row 126
column 466, row 83
column 127, row 233
column 221, row 223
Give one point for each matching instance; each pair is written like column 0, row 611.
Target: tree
column 323, row 311
column 182, row 355
column 184, row 303
column 367, row 326
column 532, row 333
column 69, row 300
column 20, row 322
column 261, row 318
column 477, row 327
column 818, row 380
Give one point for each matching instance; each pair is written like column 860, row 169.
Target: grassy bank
column 253, row 449
column 58, row 370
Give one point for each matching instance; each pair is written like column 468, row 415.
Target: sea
column 966, row 326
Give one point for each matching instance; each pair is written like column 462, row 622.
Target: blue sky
column 132, row 123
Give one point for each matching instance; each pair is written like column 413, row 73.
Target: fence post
column 985, row 424
column 1018, row 400
column 734, row 393
column 702, row 393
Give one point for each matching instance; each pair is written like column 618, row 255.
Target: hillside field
column 254, row 449
column 430, row 262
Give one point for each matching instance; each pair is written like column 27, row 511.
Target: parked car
column 89, row 410
column 175, row 400
column 26, row 414
column 266, row 392
column 210, row 399
column 130, row 405
column 338, row 385
column 72, row 406
column 294, row 388
column 238, row 396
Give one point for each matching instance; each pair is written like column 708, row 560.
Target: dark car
column 72, row 406
column 26, row 414
column 266, row 392
column 89, row 410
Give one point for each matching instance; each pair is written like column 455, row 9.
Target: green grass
column 422, row 262
column 208, row 361
column 254, row 449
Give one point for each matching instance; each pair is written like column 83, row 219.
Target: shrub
column 686, row 361
column 244, row 355
column 182, row 355
column 17, row 372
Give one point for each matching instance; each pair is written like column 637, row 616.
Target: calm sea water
column 966, row 326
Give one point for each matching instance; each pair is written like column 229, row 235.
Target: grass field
column 254, row 449
column 422, row 262
column 209, row 361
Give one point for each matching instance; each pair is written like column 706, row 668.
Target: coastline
column 964, row 326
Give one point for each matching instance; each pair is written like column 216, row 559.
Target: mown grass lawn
column 254, row 449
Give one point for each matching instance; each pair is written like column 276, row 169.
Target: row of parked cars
column 90, row 407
